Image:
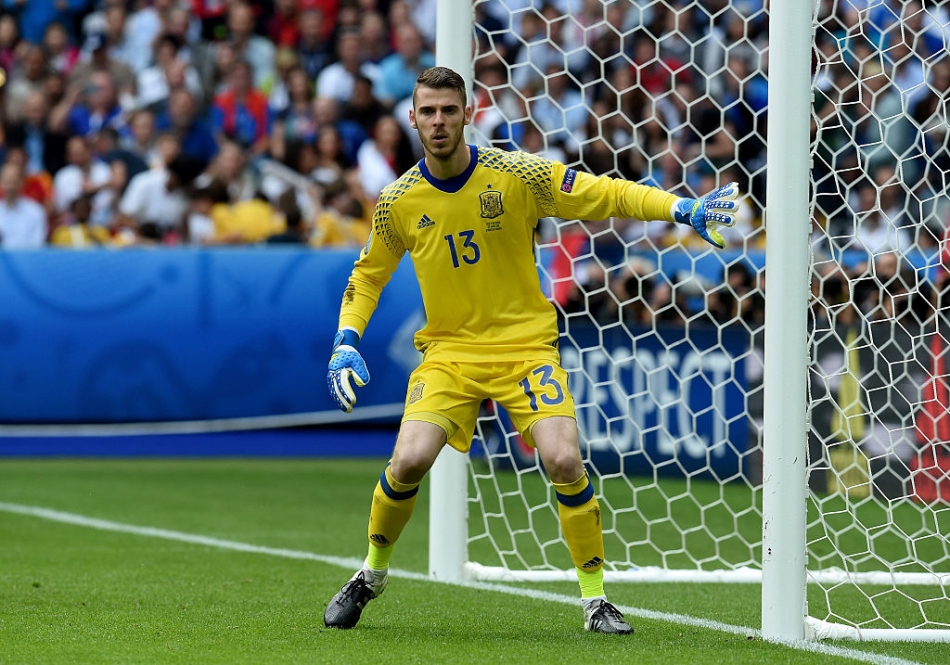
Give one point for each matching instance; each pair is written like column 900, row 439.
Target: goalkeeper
column 467, row 217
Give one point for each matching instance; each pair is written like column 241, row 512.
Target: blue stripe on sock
column 574, row 500
column 393, row 494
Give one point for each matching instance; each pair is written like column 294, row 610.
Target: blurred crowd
column 226, row 121
column 168, row 122
column 130, row 122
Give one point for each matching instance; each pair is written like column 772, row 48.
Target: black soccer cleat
column 346, row 607
column 602, row 617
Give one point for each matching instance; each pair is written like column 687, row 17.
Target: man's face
column 440, row 118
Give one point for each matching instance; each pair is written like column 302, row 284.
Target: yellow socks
column 393, row 503
column 579, row 513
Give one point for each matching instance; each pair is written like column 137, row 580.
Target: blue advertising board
column 185, row 335
column 143, row 336
column 651, row 400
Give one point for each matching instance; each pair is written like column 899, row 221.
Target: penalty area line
column 352, row 563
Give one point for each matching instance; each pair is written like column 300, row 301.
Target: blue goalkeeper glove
column 704, row 214
column 346, row 365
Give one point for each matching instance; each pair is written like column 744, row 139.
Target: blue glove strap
column 683, row 212
column 346, row 337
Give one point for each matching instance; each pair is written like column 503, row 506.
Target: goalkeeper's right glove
column 346, row 364
column 718, row 208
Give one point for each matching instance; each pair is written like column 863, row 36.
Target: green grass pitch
column 70, row 593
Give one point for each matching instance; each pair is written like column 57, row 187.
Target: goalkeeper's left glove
column 704, row 214
column 346, row 364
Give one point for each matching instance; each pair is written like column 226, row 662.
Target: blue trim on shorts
column 393, row 494
column 575, row 500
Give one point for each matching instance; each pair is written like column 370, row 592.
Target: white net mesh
column 662, row 336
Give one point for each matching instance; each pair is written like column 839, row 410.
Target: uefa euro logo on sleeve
column 567, row 184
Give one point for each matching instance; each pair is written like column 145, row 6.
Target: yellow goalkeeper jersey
column 471, row 241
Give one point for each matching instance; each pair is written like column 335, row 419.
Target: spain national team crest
column 491, row 204
column 416, row 393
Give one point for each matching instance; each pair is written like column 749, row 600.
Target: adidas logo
column 425, row 222
column 379, row 539
column 593, row 563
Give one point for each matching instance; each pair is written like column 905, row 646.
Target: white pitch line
column 350, row 563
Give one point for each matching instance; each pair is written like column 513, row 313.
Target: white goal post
column 775, row 491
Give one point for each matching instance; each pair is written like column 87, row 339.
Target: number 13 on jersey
column 465, row 248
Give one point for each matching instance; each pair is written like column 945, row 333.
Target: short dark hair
column 440, row 78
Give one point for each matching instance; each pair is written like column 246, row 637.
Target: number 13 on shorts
column 542, row 385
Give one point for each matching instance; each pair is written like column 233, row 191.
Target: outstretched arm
column 718, row 208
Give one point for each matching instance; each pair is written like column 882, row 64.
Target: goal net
column 662, row 335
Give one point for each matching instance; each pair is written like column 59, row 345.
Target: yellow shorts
column 449, row 394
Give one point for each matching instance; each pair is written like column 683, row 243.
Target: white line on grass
column 351, row 563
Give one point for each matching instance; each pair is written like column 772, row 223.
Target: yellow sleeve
column 375, row 266
column 580, row 195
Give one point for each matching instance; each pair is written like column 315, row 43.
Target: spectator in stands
column 155, row 204
column 399, row 14
column 257, row 51
column 45, row 149
column 148, row 20
column 125, row 163
column 929, row 113
column 84, row 111
column 156, row 82
column 330, row 161
column 539, row 50
column 61, row 53
column 295, row 231
column 374, row 36
column 385, row 156
column 99, row 61
column 37, row 185
column 177, row 22
column 874, row 230
column 283, row 24
column 351, row 133
column 336, row 80
column 399, row 71
column 312, row 47
column 342, row 221
column 76, row 231
column 141, row 138
column 121, row 43
column 241, row 113
column 34, row 16
column 194, row 134
column 363, row 107
column 199, row 224
column 84, row 174
column 744, row 98
column 212, row 15
column 286, row 60
column 561, row 114
column 726, row 304
column 28, row 76
column 231, row 174
column 249, row 221
column 730, row 37
column 55, row 88
column 9, row 42
column 589, row 293
column 23, row 222
column 297, row 123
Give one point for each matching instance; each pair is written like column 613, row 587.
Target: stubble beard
column 446, row 150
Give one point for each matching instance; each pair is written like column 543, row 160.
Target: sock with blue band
column 579, row 513
column 393, row 503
